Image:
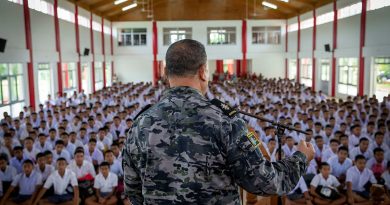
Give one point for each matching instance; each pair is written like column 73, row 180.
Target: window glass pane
column 15, row 69
column 3, row 69
column 14, row 89
column 5, row 90
column 20, row 87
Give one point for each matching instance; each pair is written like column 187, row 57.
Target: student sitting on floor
column 377, row 164
column 60, row 180
column 324, row 187
column 358, row 180
column 7, row 173
column 44, row 169
column 28, row 182
column 105, row 186
column 300, row 194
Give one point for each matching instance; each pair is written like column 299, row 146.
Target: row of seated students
column 98, row 123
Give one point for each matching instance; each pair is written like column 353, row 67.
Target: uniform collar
column 182, row 90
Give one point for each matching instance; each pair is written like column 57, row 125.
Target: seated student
column 71, row 148
column 28, row 183
column 386, row 177
column 362, row 149
column 44, row 169
column 115, row 165
column 289, row 148
column 379, row 142
column 92, row 153
column 377, row 164
column 42, row 144
column 331, row 150
column 80, row 166
column 29, row 151
column 358, row 178
column 7, row 173
column 324, row 187
column 7, row 146
column 105, row 186
column 117, row 152
column 344, row 141
column 60, row 151
column 340, row 163
column 73, row 139
column 60, row 180
column 17, row 160
column 319, row 147
column 49, row 158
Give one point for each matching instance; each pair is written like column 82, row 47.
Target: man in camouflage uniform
column 184, row 150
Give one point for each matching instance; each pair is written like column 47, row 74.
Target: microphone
column 143, row 110
column 232, row 112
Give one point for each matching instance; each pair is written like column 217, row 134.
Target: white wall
column 44, row 41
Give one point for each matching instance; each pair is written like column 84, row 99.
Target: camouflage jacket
column 183, row 150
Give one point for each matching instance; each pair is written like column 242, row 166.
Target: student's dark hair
column 39, row 155
column 59, row 142
column 52, row 130
column 92, row 140
column 29, row 138
column 7, row 134
column 272, row 139
column 318, row 137
column 103, row 164
column 388, row 164
column 16, row 148
column 108, row 151
column 184, row 58
column 334, row 140
column 378, row 149
column 78, row 151
column 48, row 152
column 378, row 133
column 288, row 137
column 343, row 148
column 363, row 139
column 28, row 161
column 4, row 157
column 323, row 164
column 359, row 157
column 61, row 159
column 41, row 134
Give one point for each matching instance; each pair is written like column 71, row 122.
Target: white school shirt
column 327, row 154
column 319, row 180
column 86, row 168
column 61, row 183
column 287, row 151
column 46, row 173
column 106, row 185
column 356, row 151
column 386, row 177
column 301, row 185
column 359, row 179
column 27, row 185
column 9, row 173
column 338, row 169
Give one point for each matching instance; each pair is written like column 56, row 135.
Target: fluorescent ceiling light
column 129, row 7
column 284, row 1
column 267, row 4
column 119, row 1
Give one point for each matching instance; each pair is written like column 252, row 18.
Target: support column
column 93, row 54
column 77, row 29
column 219, row 66
column 314, row 49
column 286, row 60
column 244, row 60
column 112, row 53
column 155, row 51
column 362, row 44
column 333, row 89
column 299, row 50
column 238, row 68
column 58, row 46
column 30, row 68
column 104, row 55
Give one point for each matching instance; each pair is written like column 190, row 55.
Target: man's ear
column 202, row 72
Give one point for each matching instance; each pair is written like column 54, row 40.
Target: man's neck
column 184, row 81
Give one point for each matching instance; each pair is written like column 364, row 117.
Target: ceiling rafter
column 101, row 3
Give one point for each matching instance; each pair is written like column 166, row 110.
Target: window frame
column 219, row 33
column 126, row 35
column 267, row 31
column 187, row 34
column 7, row 76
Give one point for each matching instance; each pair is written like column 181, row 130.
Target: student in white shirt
column 28, row 183
column 80, row 166
column 331, row 150
column 29, row 150
column 105, row 186
column 60, row 151
column 319, row 147
column 340, row 163
column 7, row 173
column 42, row 144
column 115, row 165
column 41, row 167
column 362, row 149
column 357, row 178
column 289, row 148
column 300, row 194
column 324, row 187
column 386, row 176
column 92, row 153
column 378, row 142
column 377, row 164
column 60, row 180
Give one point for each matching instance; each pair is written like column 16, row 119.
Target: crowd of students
column 68, row 151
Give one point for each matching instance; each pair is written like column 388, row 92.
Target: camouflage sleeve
column 253, row 172
column 131, row 174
